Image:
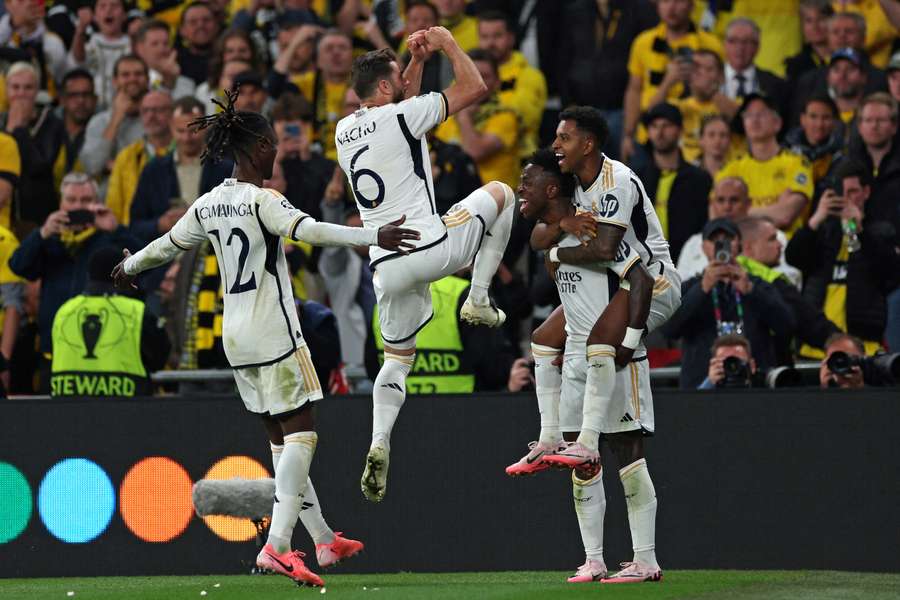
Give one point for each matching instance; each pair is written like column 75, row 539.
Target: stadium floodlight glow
column 155, row 499
column 15, row 502
column 233, row 529
column 76, row 500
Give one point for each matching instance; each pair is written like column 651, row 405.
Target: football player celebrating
column 261, row 334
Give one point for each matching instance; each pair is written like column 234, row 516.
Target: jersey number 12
column 237, row 287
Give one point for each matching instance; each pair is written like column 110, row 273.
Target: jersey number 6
column 237, row 287
column 354, row 180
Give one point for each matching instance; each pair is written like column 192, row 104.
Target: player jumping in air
column 261, row 334
column 382, row 149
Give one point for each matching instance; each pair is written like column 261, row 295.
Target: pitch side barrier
column 799, row 479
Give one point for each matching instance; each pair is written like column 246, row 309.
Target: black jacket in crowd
column 868, row 272
column 36, row 195
column 766, row 315
column 595, row 71
column 688, row 206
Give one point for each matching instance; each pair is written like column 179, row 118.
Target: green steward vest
column 97, row 348
column 440, row 367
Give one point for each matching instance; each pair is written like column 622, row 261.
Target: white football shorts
column 280, row 387
column 666, row 295
column 402, row 283
column 629, row 409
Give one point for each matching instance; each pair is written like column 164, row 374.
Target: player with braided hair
column 261, row 334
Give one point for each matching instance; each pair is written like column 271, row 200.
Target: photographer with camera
column 848, row 264
column 726, row 299
column 731, row 364
column 58, row 252
column 846, row 365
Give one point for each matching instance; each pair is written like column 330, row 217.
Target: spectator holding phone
column 726, row 299
column 307, row 173
column 57, row 253
column 845, row 259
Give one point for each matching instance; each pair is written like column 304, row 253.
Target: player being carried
column 593, row 312
column 261, row 334
column 620, row 210
column 382, row 149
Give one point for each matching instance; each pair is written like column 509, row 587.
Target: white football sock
column 547, row 383
column 311, row 516
column 276, row 455
column 601, row 378
column 291, row 476
column 590, row 507
column 640, row 498
column 388, row 395
column 310, row 510
column 493, row 245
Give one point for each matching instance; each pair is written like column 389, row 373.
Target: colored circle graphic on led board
column 76, row 500
column 155, row 499
column 15, row 502
column 233, row 529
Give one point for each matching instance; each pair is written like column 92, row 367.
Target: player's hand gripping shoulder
column 582, row 225
column 121, row 279
column 393, row 237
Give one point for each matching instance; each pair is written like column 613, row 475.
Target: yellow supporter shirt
column 663, row 191
column 766, row 180
column 880, row 34
column 778, row 20
column 650, row 54
column 10, row 170
column 327, row 100
column 8, row 245
column 170, row 16
column 502, row 166
column 692, row 113
column 123, row 180
column 835, row 307
column 464, row 30
column 524, row 89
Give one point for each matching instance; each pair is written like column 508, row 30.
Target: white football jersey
column 384, row 154
column 585, row 290
column 245, row 224
column 617, row 197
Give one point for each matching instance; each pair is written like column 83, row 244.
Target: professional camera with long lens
column 881, row 369
column 737, row 373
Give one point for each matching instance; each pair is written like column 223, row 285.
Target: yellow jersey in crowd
column 10, row 169
column 524, row 89
column 327, row 100
column 766, row 180
column 880, row 34
column 498, row 121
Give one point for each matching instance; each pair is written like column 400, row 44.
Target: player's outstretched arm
column 469, row 86
column 389, row 237
column 185, row 234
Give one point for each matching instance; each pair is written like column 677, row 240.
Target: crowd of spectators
column 766, row 134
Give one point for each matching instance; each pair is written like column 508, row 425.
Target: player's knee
column 502, row 194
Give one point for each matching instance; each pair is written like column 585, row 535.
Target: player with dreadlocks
column 261, row 334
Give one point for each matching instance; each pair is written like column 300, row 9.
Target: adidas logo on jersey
column 626, row 418
column 393, row 386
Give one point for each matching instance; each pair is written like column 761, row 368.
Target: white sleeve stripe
column 446, row 106
column 295, row 226
column 611, row 222
column 176, row 244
